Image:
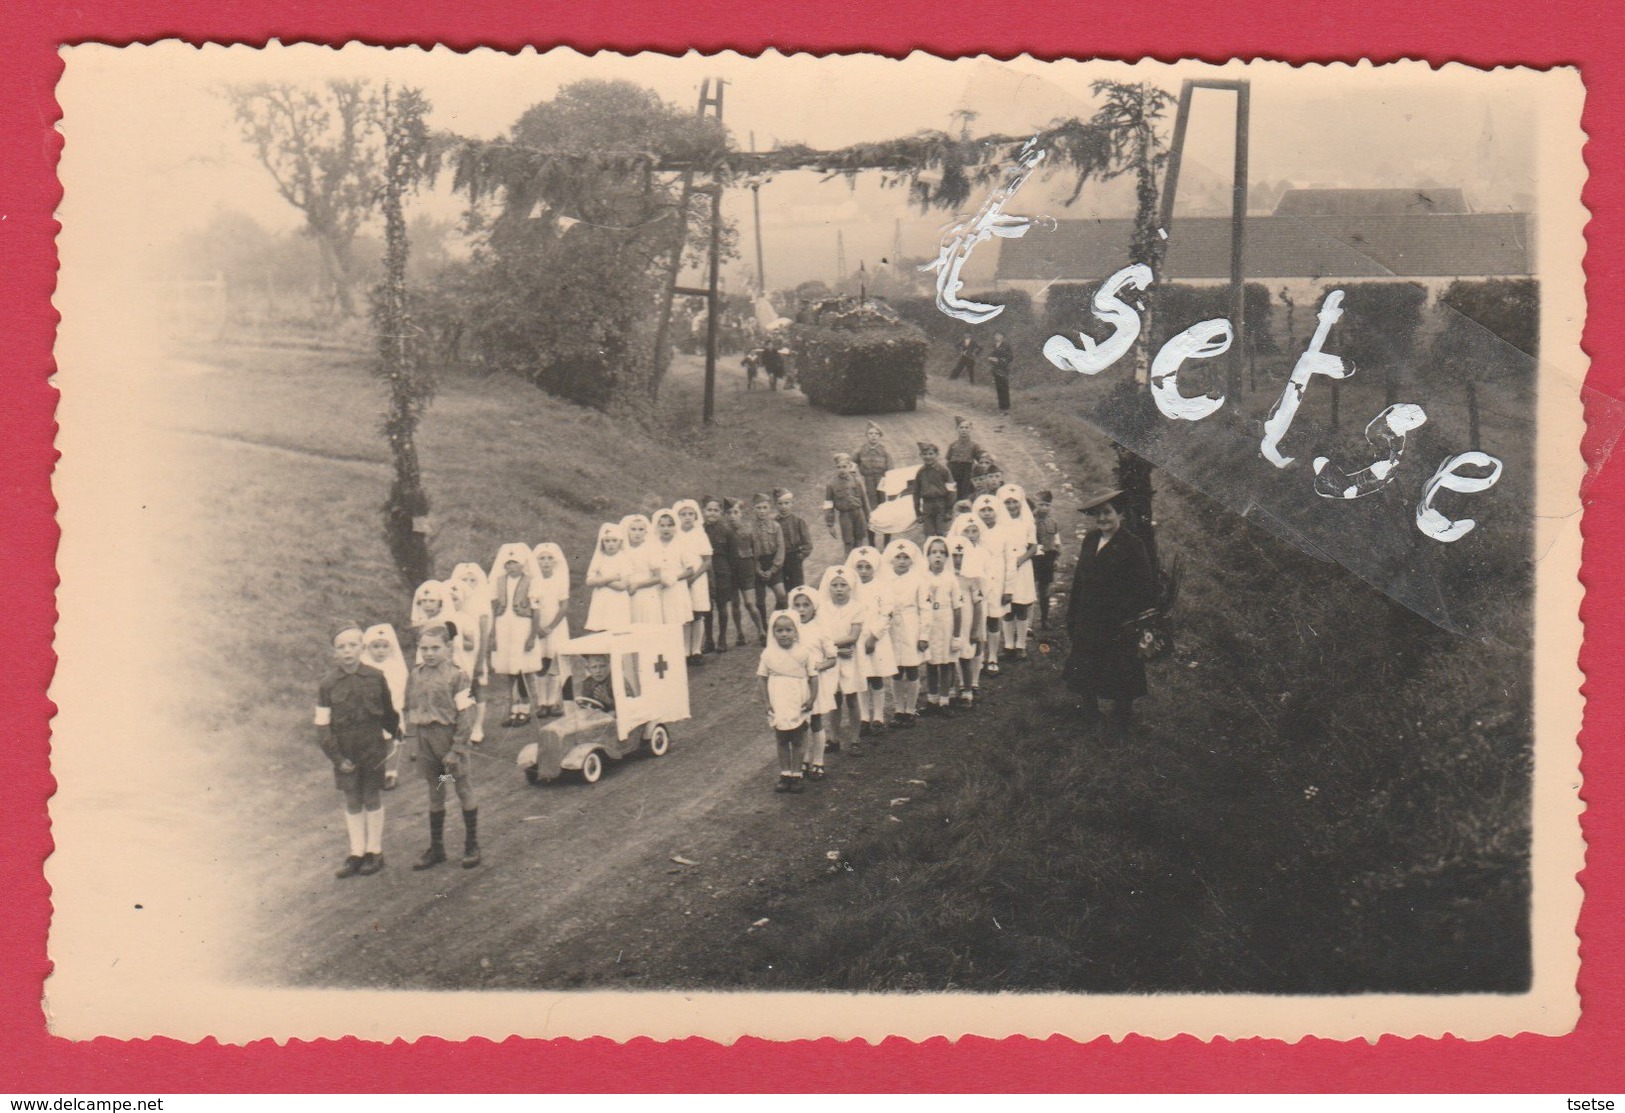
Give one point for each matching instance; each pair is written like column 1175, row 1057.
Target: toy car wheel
column 592, row 767
column 659, row 740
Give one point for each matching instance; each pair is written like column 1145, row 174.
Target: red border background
column 1563, row 32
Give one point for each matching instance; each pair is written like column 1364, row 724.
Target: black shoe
column 471, row 855
column 351, row 866
column 834, row 746
column 797, row 785
column 371, row 864
column 903, row 722
column 864, row 730
column 741, row 640
column 697, row 659
column 431, row 857
column 784, row 783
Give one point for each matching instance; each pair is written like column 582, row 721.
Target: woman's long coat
column 1109, row 588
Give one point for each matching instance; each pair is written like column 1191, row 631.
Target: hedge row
column 939, row 326
column 1178, row 306
column 1506, row 307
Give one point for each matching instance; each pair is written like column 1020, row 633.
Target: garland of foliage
column 1113, row 142
column 401, row 363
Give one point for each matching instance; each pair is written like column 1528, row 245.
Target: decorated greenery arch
column 518, row 179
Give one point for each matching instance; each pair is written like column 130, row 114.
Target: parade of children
column 886, row 637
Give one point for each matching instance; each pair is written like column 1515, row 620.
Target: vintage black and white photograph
column 567, row 545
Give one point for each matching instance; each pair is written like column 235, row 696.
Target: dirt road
column 579, row 883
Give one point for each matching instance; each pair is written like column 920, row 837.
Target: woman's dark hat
column 1098, row 496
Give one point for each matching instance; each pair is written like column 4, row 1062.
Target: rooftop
column 1411, row 201
column 1375, row 245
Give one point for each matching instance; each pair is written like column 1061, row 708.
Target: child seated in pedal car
column 598, row 687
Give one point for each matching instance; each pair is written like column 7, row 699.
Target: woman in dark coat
column 1113, row 583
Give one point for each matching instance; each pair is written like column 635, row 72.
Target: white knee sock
column 911, row 697
column 863, row 705
column 1021, row 632
column 356, row 823
column 815, row 750
column 1007, row 630
column 478, row 733
column 375, row 829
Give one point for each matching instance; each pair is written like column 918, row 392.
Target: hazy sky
column 180, row 159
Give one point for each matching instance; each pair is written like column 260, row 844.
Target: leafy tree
column 323, row 150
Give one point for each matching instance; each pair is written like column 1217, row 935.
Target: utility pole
column 1238, row 206
column 840, row 256
column 712, row 290
column 714, row 296
column 674, row 264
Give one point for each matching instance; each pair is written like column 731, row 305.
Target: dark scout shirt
column 362, row 712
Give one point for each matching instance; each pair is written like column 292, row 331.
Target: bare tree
column 323, row 148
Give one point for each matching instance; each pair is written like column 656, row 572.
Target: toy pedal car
column 641, row 673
